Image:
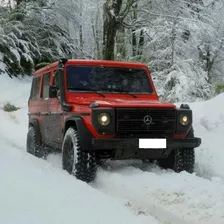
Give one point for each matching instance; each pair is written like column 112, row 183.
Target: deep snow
column 37, row 191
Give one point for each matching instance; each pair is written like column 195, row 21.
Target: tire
column 74, row 160
column 147, row 161
column 179, row 160
column 33, row 146
column 100, row 162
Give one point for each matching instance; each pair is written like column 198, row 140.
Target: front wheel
column 179, row 160
column 74, row 160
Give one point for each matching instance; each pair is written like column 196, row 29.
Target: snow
column 11, row 91
column 37, row 191
column 32, row 191
column 16, row 54
column 207, row 2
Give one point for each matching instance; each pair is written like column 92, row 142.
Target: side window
column 35, row 88
column 46, row 85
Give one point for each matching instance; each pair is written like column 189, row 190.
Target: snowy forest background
column 181, row 41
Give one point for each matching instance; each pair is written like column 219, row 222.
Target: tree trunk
column 110, row 27
column 141, row 43
column 96, row 37
column 134, row 43
column 81, row 37
column 80, row 28
column 134, row 38
column 109, row 42
column 113, row 19
column 121, row 51
column 18, row 2
column 173, row 39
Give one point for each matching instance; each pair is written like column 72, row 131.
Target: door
column 44, row 108
column 33, row 102
column 55, row 115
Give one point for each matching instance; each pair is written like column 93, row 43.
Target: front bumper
column 134, row 144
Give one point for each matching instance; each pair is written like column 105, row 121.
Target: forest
column 181, row 41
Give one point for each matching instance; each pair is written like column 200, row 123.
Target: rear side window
column 35, row 88
column 56, row 78
column 46, row 85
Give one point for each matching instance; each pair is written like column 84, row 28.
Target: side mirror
column 53, row 91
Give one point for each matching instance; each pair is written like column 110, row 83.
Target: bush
column 219, row 88
column 9, row 107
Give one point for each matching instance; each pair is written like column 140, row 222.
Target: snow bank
column 13, row 125
column 209, row 125
column 177, row 198
column 32, row 191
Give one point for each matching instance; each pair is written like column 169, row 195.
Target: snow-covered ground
column 37, row 191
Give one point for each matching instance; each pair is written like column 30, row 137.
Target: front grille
column 131, row 120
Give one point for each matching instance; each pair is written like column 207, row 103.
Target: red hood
column 127, row 102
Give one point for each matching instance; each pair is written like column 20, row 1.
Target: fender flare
column 84, row 133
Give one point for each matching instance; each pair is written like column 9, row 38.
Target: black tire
column 33, row 146
column 179, row 160
column 147, row 161
column 74, row 160
column 100, row 162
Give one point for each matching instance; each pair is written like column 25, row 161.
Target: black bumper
column 107, row 144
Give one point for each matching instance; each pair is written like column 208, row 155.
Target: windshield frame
column 143, row 68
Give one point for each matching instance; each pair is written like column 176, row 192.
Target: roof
column 94, row 62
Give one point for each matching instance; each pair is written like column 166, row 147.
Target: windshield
column 107, row 79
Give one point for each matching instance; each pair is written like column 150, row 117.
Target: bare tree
column 114, row 16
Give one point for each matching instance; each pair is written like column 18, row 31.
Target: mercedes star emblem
column 147, row 120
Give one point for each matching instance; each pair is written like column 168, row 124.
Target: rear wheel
column 74, row 160
column 179, row 160
column 33, row 145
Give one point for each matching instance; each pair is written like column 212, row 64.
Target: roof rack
column 41, row 65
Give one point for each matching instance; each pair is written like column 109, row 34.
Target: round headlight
column 104, row 119
column 184, row 120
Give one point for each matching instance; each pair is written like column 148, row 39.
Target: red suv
column 96, row 110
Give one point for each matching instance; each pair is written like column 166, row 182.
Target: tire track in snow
column 138, row 204
column 150, row 210
column 138, row 210
column 130, row 182
column 139, row 207
column 11, row 143
column 147, row 191
column 171, row 197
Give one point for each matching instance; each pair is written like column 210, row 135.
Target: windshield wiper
column 131, row 94
column 99, row 92
column 85, row 90
column 120, row 91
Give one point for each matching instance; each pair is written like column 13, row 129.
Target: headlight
column 104, row 119
column 184, row 120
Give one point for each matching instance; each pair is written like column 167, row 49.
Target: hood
column 127, row 102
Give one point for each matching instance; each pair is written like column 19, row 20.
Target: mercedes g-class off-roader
column 95, row 110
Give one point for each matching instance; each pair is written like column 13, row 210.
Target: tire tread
column 84, row 168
